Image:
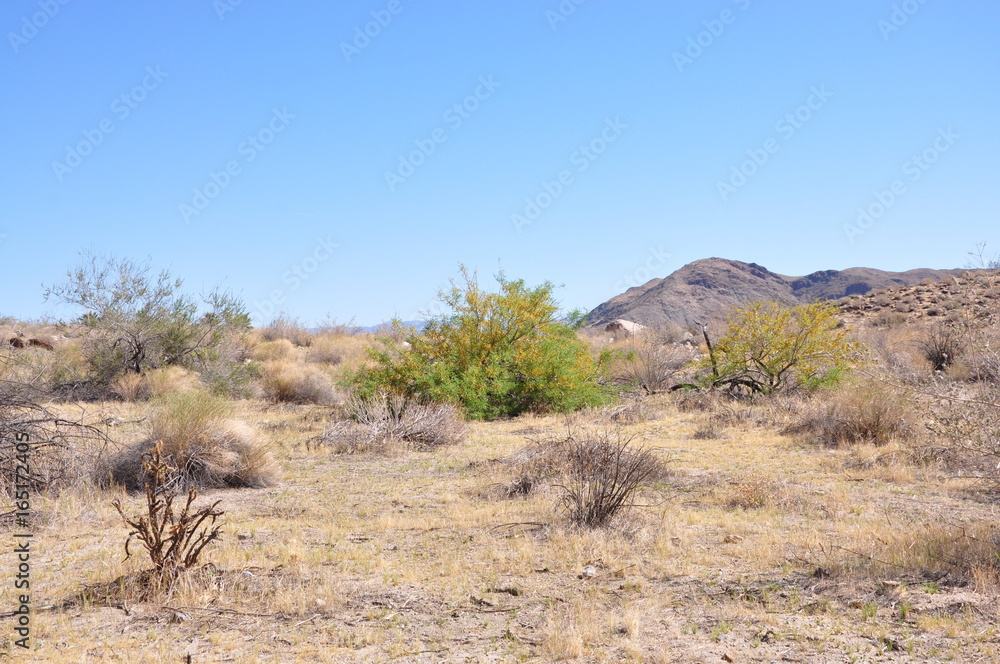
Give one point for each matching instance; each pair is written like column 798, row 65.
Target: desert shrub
column 888, row 319
column 139, row 321
column 602, row 474
column 649, row 360
column 326, row 349
column 942, row 346
column 60, row 453
column 967, row 422
column 860, row 412
column 495, row 355
column 286, row 327
column 131, row 387
column 201, row 444
column 769, row 346
column 379, row 423
column 290, row 382
column 329, row 326
column 173, row 539
column 277, row 349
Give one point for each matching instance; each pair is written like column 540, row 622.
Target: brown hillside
column 704, row 290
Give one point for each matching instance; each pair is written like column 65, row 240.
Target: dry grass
column 858, row 412
column 166, row 380
column 383, row 559
column 131, row 387
column 201, row 442
column 291, row 382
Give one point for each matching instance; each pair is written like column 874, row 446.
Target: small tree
column 495, row 354
column 140, row 320
column 769, row 346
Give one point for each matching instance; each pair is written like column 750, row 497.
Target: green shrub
column 769, row 346
column 495, row 354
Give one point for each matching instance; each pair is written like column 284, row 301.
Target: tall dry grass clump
column 286, row 327
column 200, row 442
column 285, row 381
column 859, row 412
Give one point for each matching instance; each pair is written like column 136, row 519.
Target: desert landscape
column 665, row 513
column 499, row 332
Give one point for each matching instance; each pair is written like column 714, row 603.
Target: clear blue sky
column 115, row 113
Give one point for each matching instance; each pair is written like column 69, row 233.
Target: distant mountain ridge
column 706, row 289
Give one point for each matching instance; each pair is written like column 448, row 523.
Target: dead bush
column 326, row 349
column 286, row 327
column 388, row 420
column 942, row 346
column 174, row 540
column 201, row 443
column 601, row 476
column 966, row 421
column 650, row 360
column 290, row 382
column 864, row 412
column 59, row 452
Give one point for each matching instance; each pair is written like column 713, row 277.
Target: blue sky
column 278, row 150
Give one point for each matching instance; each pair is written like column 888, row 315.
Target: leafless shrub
column 968, row 423
column 602, row 474
column 867, row 412
column 387, row 419
column 62, row 452
column 651, row 360
column 286, row 327
column 174, row 540
column 942, row 346
column 330, row 326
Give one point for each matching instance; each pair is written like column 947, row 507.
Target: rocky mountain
column 702, row 291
